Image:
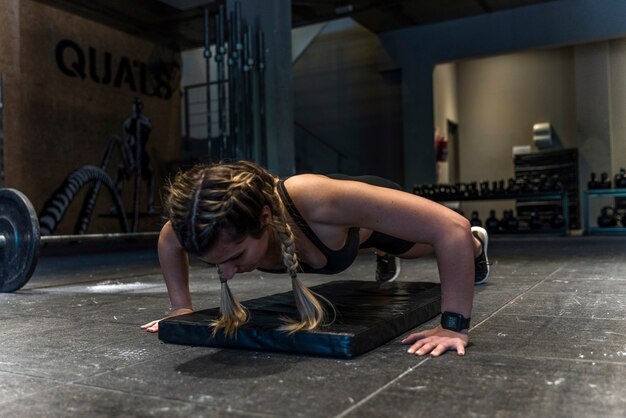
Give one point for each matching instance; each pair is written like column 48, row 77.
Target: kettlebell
column 535, row 221
column 475, row 220
column 593, row 182
column 484, row 188
column 509, row 222
column 492, row 222
column 499, row 189
column 620, row 179
column 472, row 189
column 607, row 218
column 605, row 182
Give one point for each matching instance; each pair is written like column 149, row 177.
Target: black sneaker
column 481, row 263
column 387, row 268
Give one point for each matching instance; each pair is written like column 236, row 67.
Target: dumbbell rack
column 595, row 193
column 526, row 197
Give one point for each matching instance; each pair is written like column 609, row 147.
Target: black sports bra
column 336, row 260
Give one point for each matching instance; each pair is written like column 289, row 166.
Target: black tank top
column 336, row 261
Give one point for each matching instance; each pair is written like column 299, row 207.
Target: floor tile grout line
column 515, row 298
column 32, row 376
column 564, row 316
column 567, row 360
column 380, row 389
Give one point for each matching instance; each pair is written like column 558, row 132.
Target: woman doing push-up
column 239, row 217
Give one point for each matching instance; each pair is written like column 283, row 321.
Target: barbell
column 20, row 239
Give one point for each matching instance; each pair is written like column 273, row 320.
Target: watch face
column 451, row 322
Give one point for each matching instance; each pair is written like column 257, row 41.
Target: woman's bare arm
column 174, row 263
column 406, row 216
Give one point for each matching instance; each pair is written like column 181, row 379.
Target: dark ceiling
column 180, row 23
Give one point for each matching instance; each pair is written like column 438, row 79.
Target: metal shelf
column 525, row 197
column 615, row 230
column 598, row 193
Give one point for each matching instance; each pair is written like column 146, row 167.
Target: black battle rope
column 82, row 223
column 56, row 206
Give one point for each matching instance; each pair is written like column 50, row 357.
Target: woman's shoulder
column 314, row 187
column 304, row 181
column 306, row 190
column 314, row 195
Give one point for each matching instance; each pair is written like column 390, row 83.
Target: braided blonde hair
column 227, row 199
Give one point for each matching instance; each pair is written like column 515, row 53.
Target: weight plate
column 19, row 226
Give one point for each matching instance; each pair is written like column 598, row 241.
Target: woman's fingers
column 436, row 341
column 436, row 346
column 421, row 347
column 417, row 336
column 152, row 326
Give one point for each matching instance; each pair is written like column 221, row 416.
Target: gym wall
column 348, row 95
column 499, row 100
column 60, row 113
column 579, row 89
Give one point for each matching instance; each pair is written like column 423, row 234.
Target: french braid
column 209, row 201
column 312, row 313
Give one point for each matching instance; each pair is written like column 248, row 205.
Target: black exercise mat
column 368, row 315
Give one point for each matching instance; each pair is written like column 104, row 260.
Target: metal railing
column 198, row 113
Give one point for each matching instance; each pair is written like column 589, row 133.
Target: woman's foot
column 387, row 268
column 481, row 263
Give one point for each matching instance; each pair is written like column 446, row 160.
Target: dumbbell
column 20, row 239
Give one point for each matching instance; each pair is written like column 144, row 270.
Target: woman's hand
column 153, row 326
column 436, row 341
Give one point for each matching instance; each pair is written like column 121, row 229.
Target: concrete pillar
column 419, row 129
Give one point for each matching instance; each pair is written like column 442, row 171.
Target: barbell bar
column 20, row 239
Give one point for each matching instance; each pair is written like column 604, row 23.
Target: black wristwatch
column 454, row 321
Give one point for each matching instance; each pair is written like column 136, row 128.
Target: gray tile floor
column 548, row 340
